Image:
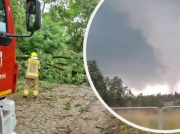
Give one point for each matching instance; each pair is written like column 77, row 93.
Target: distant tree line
column 115, row 94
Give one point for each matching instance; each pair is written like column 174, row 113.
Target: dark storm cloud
column 133, row 42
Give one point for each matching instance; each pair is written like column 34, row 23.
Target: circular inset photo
column 132, row 60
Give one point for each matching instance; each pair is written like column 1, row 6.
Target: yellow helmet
column 33, row 54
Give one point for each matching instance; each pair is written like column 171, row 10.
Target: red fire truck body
column 8, row 64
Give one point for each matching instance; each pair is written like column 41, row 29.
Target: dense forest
column 59, row 42
column 115, row 94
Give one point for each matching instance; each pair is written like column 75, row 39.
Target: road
column 66, row 109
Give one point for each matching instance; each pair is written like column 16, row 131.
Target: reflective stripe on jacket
column 33, row 65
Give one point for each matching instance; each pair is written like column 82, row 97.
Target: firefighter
column 32, row 75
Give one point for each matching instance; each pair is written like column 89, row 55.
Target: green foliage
column 61, row 34
column 2, row 13
column 42, row 84
column 126, row 129
column 149, row 100
column 46, row 85
column 111, row 90
column 117, row 94
column 98, row 79
column 83, row 109
column 20, row 85
column 77, row 105
column 67, row 108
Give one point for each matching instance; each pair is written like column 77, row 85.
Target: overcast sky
column 138, row 41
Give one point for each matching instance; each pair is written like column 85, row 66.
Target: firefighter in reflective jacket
column 33, row 66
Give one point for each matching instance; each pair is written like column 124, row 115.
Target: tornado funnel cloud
column 159, row 23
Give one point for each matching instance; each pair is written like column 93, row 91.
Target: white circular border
column 94, row 89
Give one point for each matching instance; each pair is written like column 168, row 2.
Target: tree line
column 115, row 94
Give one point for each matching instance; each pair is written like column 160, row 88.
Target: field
column 155, row 119
column 143, row 118
column 171, row 119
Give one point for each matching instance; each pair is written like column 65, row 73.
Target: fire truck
column 8, row 64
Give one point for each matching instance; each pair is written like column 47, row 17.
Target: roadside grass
column 171, row 119
column 169, row 103
column 77, row 105
column 43, row 85
column 150, row 118
column 126, row 129
column 145, row 118
column 83, row 109
column 47, row 85
column 172, row 103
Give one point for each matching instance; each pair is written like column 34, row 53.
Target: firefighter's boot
column 35, row 93
column 25, row 92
